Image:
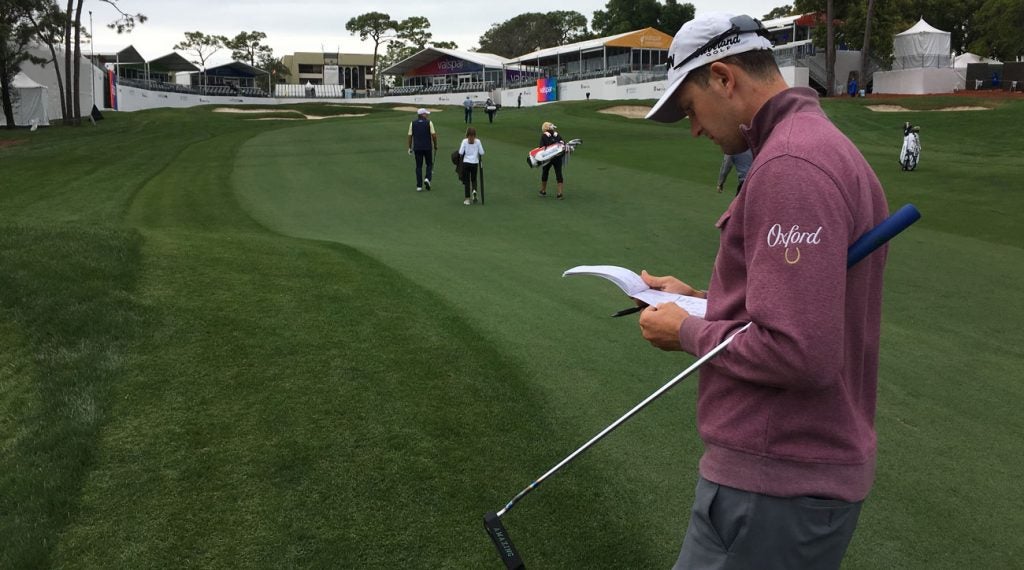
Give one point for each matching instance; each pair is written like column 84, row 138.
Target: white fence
column 605, row 88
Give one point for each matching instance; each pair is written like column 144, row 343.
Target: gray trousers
column 733, row 529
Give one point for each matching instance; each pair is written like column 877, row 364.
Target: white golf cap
column 422, row 112
column 707, row 38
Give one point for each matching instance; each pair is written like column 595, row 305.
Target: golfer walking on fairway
column 786, row 413
column 422, row 138
column 472, row 152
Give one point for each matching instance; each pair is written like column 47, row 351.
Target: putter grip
column 881, row 233
column 503, row 542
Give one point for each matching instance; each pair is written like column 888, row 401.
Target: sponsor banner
column 445, row 66
column 514, row 75
column 331, row 75
column 111, row 90
column 547, row 89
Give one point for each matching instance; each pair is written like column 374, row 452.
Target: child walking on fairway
column 472, row 152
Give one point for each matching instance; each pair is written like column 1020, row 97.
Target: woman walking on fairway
column 472, row 152
column 549, row 136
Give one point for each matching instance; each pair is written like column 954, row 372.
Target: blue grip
column 881, row 233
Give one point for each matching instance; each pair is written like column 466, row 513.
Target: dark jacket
column 547, row 138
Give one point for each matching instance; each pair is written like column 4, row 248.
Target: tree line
column 58, row 27
column 247, row 47
column 991, row 28
column 533, row 31
column 54, row 24
column 522, row 34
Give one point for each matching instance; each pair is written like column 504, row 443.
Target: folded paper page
column 633, row 286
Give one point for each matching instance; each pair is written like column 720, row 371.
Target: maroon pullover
column 788, row 408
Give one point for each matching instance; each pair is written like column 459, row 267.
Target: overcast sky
column 312, row 25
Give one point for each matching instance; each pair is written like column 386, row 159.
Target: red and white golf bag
column 544, row 154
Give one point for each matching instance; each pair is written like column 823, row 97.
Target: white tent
column 29, row 100
column 46, row 75
column 963, row 60
column 921, row 46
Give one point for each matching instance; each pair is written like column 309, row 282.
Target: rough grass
column 252, row 343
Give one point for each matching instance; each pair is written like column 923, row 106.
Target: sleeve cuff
column 688, row 331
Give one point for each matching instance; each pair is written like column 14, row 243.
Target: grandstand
column 475, row 86
column 406, row 90
column 234, row 78
column 436, row 70
column 640, row 50
column 311, row 91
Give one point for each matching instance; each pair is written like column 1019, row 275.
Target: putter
column 860, row 249
column 481, row 182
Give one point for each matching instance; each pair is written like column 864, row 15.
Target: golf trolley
column 911, row 151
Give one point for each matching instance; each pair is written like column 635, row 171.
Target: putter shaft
column 668, row 386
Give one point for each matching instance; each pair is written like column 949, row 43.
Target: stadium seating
column 405, row 90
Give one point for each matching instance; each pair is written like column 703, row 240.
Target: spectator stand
column 310, row 90
column 640, row 51
column 155, row 75
column 234, row 79
column 434, row 71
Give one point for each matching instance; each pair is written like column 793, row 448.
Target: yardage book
column 633, row 286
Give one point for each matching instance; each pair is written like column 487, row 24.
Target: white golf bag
column 544, row 154
column 911, row 151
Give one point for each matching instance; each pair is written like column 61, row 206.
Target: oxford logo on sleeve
column 791, row 239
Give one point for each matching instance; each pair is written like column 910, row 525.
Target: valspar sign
column 547, row 90
column 447, row 66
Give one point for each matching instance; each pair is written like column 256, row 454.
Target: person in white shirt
column 472, row 152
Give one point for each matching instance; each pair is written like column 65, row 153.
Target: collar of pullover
column 783, row 104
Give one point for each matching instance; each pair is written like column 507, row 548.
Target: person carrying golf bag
column 911, row 151
column 549, row 136
column 472, row 152
column 786, row 414
column 423, row 143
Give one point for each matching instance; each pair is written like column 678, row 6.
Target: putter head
column 502, row 541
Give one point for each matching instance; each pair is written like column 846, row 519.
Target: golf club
column 860, row 249
column 481, row 181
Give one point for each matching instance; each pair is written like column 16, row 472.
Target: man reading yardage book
column 634, row 286
column 787, row 413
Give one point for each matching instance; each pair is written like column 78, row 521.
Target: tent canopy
column 129, row 55
column 921, row 27
column 172, row 63
column 432, row 54
column 235, row 69
column 921, row 46
column 963, row 60
column 30, row 103
column 22, row 81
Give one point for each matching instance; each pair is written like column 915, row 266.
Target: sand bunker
column 628, row 111
column 236, row 110
column 412, row 109
column 309, row 117
column 267, row 111
column 899, row 109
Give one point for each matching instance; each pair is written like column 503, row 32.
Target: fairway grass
column 235, row 343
